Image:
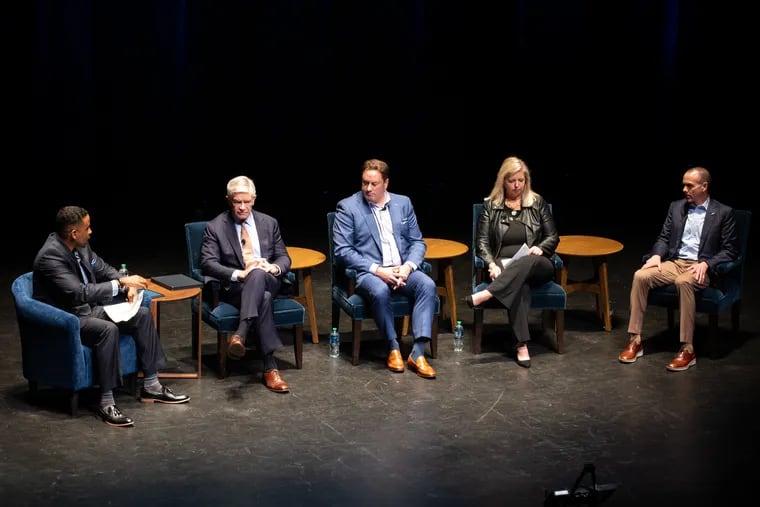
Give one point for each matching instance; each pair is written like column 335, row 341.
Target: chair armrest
column 727, row 267
column 211, row 291
column 48, row 332
column 557, row 260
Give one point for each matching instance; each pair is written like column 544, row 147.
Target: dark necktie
column 82, row 270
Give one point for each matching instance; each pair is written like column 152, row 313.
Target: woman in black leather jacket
column 516, row 222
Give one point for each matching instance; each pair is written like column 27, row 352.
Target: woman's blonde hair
column 510, row 167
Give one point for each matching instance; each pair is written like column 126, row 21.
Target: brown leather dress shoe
column 395, row 361
column 631, row 353
column 235, row 347
column 683, row 361
column 274, row 382
column 421, row 367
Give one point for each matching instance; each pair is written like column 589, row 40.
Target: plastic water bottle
column 459, row 337
column 334, row 343
column 123, row 271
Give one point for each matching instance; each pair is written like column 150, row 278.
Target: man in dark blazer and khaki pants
column 698, row 234
column 244, row 250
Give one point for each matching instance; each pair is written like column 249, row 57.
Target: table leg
column 156, row 313
column 307, row 300
column 447, row 269
column 309, row 293
column 604, row 293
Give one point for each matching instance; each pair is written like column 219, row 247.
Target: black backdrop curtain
column 142, row 110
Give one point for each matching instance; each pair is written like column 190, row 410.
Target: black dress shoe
column 112, row 416
column 468, row 300
column 165, row 396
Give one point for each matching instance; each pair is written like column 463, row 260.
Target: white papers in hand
column 126, row 310
column 522, row 252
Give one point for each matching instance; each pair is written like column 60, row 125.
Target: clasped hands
column 395, row 276
column 260, row 263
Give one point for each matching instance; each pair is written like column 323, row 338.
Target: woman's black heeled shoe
column 525, row 363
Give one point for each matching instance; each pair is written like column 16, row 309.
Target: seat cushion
column 709, row 300
column 225, row 317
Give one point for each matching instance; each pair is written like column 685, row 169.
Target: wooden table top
column 444, row 248
column 301, row 258
column 587, row 246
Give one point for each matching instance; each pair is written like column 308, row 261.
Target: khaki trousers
column 675, row 272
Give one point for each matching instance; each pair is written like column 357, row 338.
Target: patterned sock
column 106, row 399
column 269, row 362
column 151, row 383
column 418, row 349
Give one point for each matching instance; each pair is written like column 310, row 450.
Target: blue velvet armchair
column 52, row 352
column 550, row 298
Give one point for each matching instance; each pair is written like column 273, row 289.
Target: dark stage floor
column 486, row 431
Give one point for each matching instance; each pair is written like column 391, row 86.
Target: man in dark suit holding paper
column 244, row 250
column 69, row 275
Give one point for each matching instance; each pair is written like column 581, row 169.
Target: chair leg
column 554, row 320
column 671, row 318
column 130, row 383
column 477, row 331
column 74, row 403
column 736, row 312
column 335, row 316
column 559, row 318
column 196, row 335
column 221, row 355
column 356, row 331
column 298, row 344
column 434, row 338
column 712, row 335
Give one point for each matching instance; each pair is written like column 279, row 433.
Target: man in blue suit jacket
column 698, row 234
column 244, row 250
column 376, row 233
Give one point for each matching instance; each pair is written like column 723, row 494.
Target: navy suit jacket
column 718, row 242
column 222, row 253
column 357, row 238
column 58, row 282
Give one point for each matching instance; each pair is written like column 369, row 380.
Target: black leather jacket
column 540, row 228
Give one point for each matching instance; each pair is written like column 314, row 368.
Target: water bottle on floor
column 334, row 343
column 459, row 337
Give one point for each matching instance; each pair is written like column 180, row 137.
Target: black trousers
column 512, row 289
column 254, row 297
column 99, row 333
